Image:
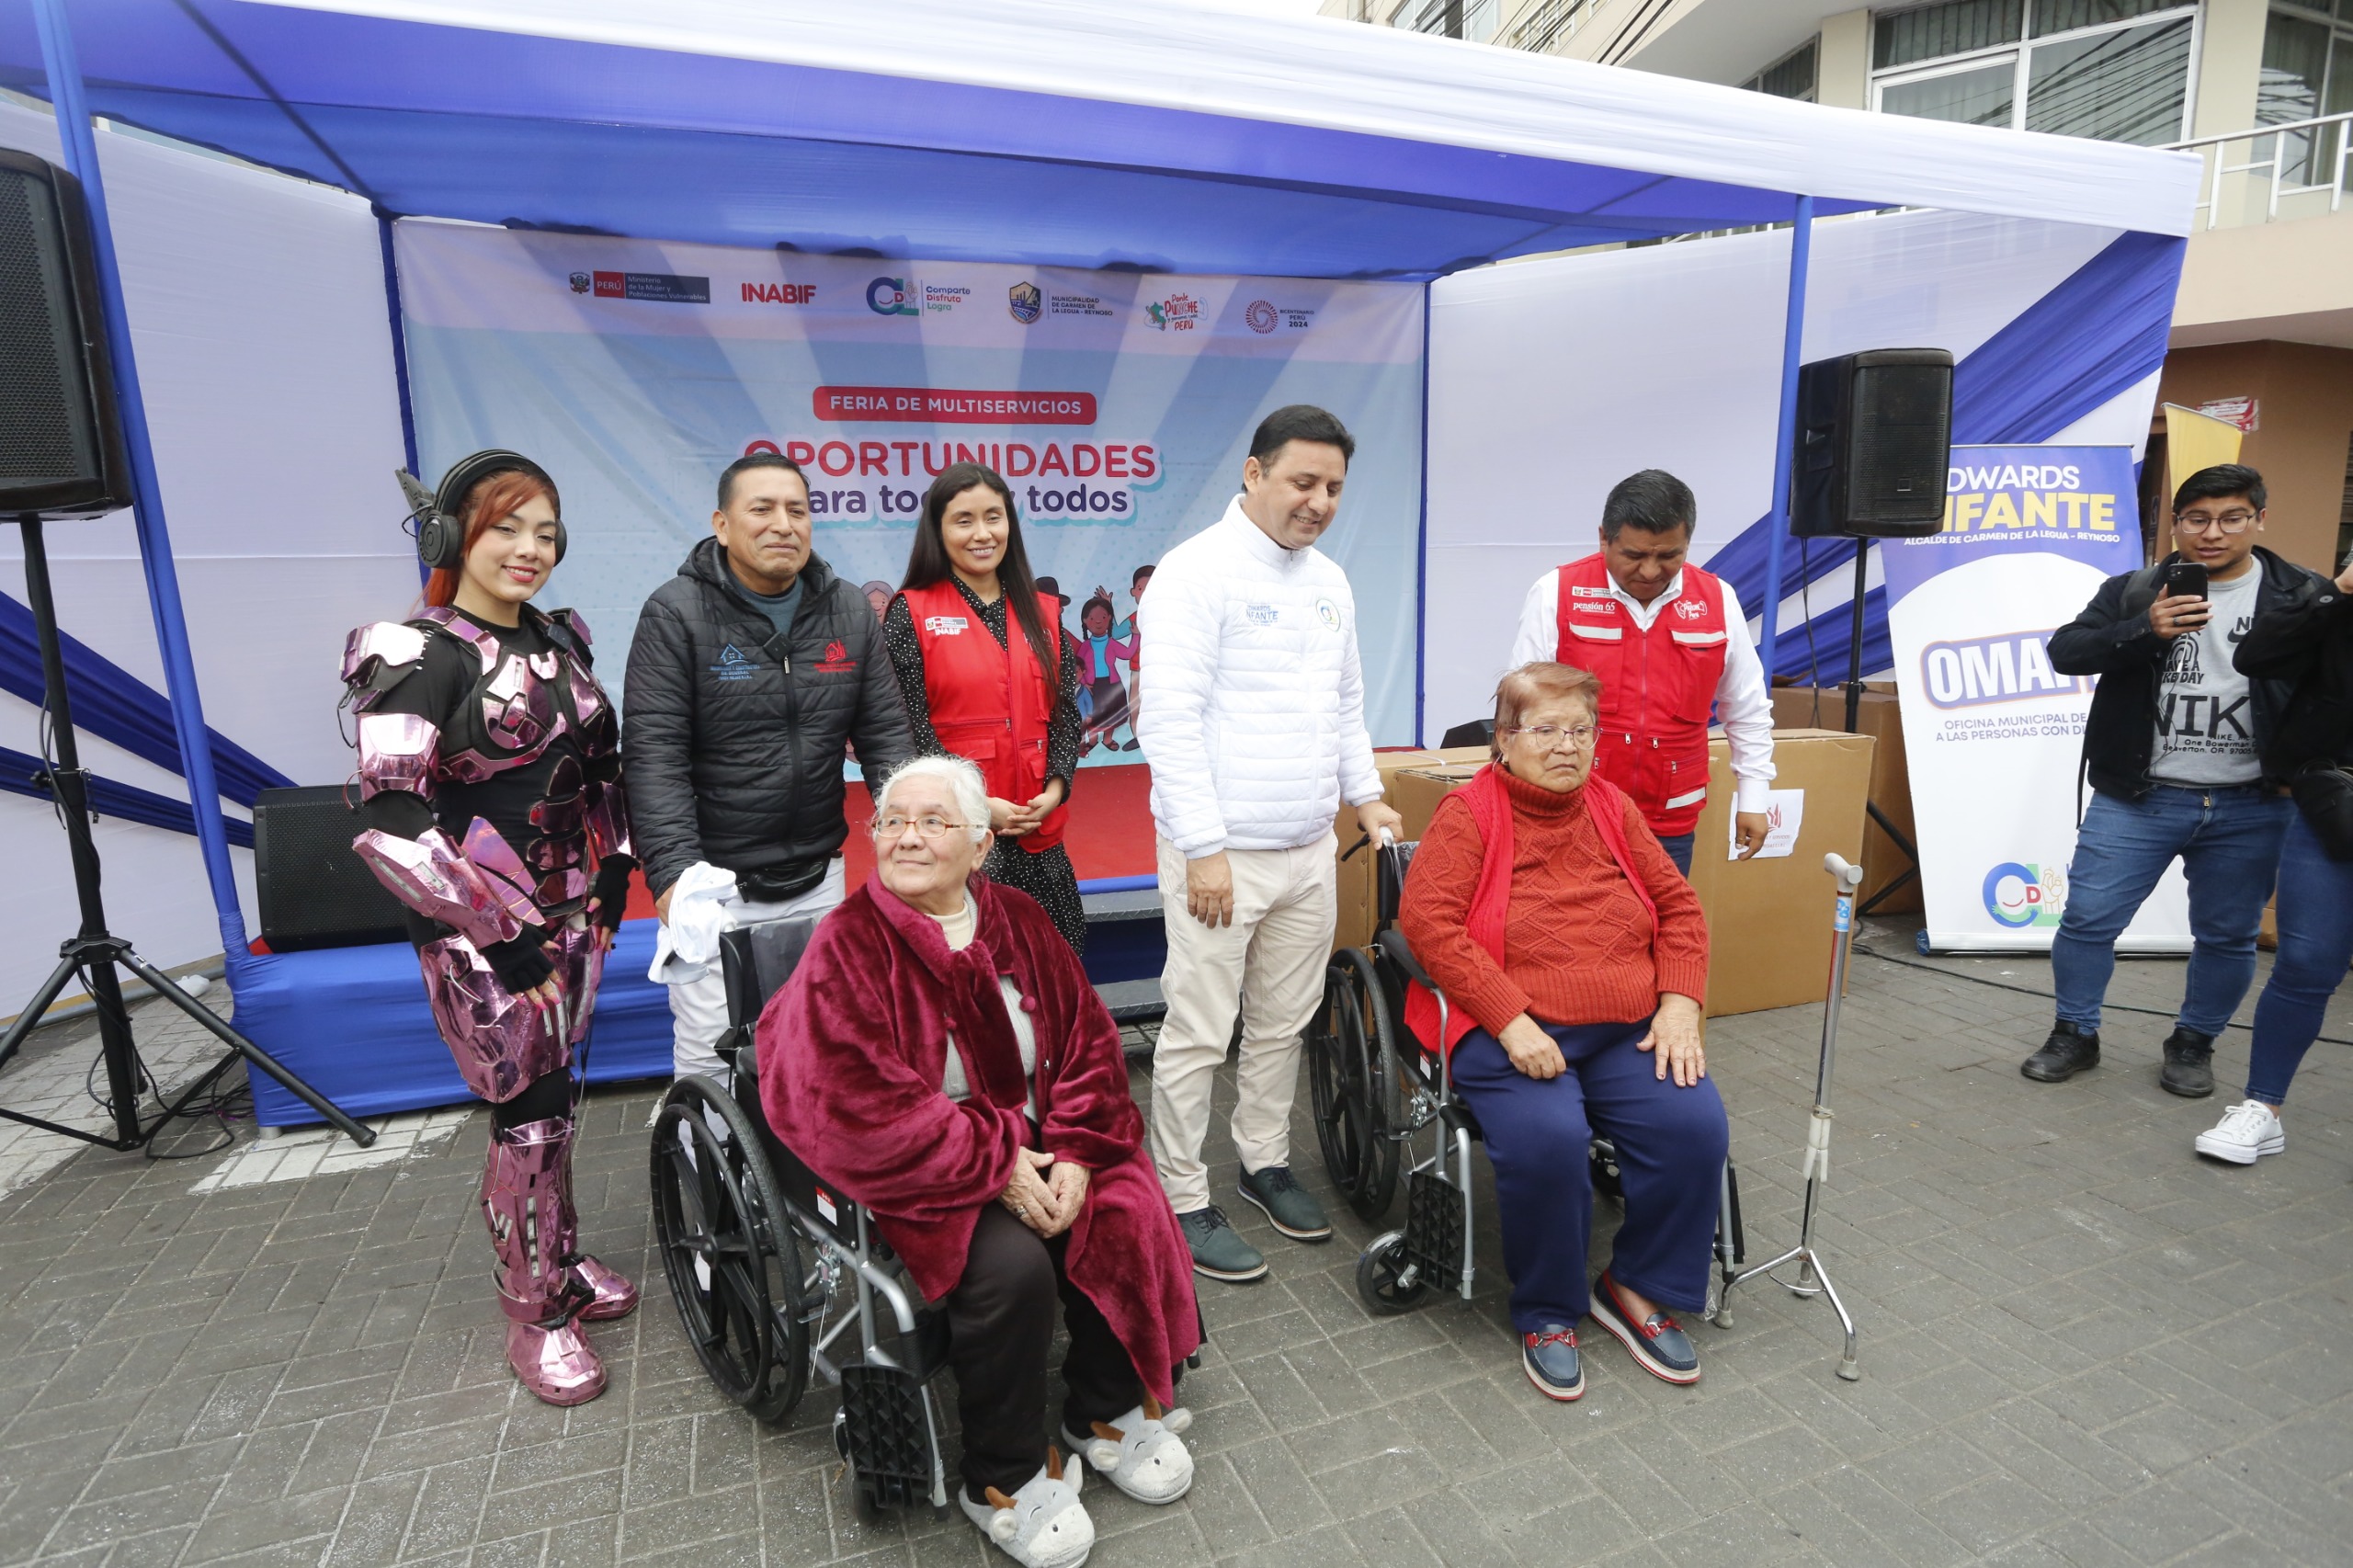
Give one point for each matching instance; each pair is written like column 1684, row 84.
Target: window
column 2307, row 73
column 1544, row 24
column 2116, row 70
column 1792, row 75
column 1473, row 20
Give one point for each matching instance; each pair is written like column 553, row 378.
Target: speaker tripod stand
column 95, row 953
column 1853, row 689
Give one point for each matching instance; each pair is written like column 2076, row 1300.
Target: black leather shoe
column 2189, row 1064
column 2067, row 1052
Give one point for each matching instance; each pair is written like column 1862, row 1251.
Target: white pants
column 698, row 1007
column 1269, row 964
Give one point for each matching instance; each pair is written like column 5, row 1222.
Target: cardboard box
column 1769, row 921
column 1356, row 874
column 1891, row 791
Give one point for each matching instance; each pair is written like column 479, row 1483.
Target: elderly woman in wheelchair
column 940, row 1057
column 1572, row 957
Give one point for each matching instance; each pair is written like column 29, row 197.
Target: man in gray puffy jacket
column 752, row 669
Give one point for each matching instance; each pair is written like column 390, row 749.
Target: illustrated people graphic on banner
column 1101, row 650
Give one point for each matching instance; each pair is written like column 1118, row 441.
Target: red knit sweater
column 1577, row 947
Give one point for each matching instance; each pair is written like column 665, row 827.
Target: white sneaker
column 2247, row 1132
column 1041, row 1526
column 1141, row 1452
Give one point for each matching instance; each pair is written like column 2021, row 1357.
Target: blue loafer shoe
column 1657, row 1343
column 1290, row 1206
column 1550, row 1357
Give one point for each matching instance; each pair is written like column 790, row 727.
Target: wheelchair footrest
column 1434, row 1214
column 889, row 1433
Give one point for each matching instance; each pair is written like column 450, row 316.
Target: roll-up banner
column 1993, row 734
column 1118, row 406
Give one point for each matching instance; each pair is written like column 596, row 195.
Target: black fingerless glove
column 517, row 962
column 612, row 890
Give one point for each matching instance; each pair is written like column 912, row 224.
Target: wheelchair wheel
column 1352, row 1080
column 1377, row 1268
column 729, row 1250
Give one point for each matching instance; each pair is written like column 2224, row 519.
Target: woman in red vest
column 974, row 691
column 1574, row 958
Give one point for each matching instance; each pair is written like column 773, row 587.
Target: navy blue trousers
column 1671, row 1145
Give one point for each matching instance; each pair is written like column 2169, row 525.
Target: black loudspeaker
column 61, row 445
column 315, row 892
column 1874, row 439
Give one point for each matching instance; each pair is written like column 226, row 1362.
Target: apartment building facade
column 2261, row 89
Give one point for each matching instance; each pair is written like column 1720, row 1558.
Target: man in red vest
column 1671, row 645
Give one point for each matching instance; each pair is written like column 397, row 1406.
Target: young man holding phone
column 2173, row 749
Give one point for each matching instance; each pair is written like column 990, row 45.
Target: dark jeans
column 2316, row 945
column 1000, row 1325
column 2228, row 843
column 1678, row 849
column 1671, row 1145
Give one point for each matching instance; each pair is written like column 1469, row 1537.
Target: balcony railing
column 2294, row 170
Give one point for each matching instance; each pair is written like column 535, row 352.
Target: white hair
column 963, row 781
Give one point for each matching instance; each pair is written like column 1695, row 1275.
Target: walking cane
column 1812, row 1278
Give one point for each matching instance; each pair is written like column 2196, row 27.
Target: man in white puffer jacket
column 1255, row 731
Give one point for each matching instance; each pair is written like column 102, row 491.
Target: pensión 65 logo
column 2019, row 895
column 1179, row 313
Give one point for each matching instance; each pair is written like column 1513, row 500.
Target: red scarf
column 1490, row 807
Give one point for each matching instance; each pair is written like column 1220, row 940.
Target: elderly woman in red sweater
column 1574, row 957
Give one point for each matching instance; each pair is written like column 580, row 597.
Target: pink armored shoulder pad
column 377, row 648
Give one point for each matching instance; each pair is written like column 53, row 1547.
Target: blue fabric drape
column 2088, row 340
column 115, row 706
column 108, row 799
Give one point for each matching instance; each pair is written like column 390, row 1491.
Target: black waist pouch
column 2324, row 792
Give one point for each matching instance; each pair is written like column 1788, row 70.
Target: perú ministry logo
column 2019, row 895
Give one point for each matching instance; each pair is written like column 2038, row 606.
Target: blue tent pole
column 1777, row 527
column 74, row 132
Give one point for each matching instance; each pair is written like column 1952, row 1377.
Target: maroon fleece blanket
column 852, row 1051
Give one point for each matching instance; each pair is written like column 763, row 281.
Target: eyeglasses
column 2199, row 522
column 1551, row 736
column 931, row 825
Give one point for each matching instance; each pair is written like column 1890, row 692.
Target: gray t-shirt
column 2205, row 712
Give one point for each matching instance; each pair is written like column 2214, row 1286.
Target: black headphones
column 441, row 532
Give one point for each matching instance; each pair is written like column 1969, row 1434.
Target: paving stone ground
column 2081, row 1345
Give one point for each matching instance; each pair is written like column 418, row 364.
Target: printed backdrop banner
column 1119, row 405
column 1994, row 732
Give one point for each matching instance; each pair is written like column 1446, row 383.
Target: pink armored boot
column 526, row 1200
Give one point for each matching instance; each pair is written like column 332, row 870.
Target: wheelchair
column 1375, row 1089
column 758, row 1249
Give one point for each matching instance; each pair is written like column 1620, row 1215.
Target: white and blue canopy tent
column 1041, row 133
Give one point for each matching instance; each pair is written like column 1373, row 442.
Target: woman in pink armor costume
column 490, row 783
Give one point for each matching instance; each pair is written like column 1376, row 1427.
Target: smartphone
column 2184, row 577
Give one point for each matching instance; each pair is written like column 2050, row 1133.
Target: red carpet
column 1110, row 830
